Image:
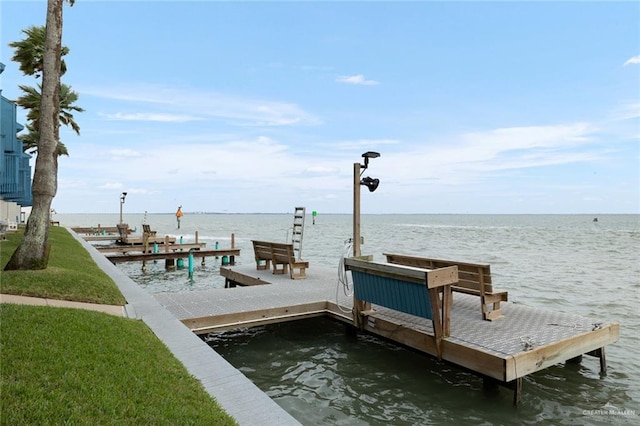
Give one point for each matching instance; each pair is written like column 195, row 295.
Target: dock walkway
column 527, row 339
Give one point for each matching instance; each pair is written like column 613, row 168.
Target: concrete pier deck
column 525, row 341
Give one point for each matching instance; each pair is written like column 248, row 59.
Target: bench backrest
column 278, row 252
column 282, row 253
column 398, row 287
column 471, row 275
column 262, row 250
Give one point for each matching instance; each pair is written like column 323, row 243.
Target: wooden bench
column 282, row 258
column 126, row 239
column 147, row 232
column 474, row 278
column 407, row 289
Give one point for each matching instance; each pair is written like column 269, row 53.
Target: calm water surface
column 322, row 376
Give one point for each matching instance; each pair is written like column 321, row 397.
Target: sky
column 253, row 106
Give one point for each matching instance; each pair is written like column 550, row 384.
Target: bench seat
column 281, row 257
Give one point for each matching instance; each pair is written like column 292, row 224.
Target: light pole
column 122, row 197
column 360, row 306
column 370, row 183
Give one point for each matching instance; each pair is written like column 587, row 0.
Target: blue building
column 15, row 171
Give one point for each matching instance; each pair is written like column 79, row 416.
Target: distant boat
column 595, row 219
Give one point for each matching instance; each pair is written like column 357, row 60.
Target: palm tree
column 29, row 53
column 33, row 251
column 30, row 100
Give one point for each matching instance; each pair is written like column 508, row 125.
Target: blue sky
column 501, row 107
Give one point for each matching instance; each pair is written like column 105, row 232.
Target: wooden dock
column 95, row 230
column 525, row 341
column 141, row 248
column 131, row 241
column 135, row 257
column 108, row 237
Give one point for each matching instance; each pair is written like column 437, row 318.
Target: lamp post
column 370, row 183
column 122, row 197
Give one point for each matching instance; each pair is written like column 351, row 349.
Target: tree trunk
column 33, row 251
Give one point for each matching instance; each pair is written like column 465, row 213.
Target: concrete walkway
column 39, row 301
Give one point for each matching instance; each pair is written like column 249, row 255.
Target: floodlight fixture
column 371, row 183
column 367, row 155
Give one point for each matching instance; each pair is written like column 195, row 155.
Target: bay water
column 580, row 264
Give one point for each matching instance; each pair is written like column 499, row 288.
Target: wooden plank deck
column 134, row 257
column 140, row 248
column 527, row 339
column 132, row 240
column 95, row 230
column 110, row 237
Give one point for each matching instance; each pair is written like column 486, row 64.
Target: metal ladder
column 297, row 231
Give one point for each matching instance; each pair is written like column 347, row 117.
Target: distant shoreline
column 364, row 214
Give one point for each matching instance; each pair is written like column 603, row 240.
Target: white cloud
column 235, row 110
column 473, row 157
column 634, row 60
column 527, row 137
column 628, row 111
column 366, row 144
column 356, row 79
column 117, row 154
column 143, row 116
column 112, row 185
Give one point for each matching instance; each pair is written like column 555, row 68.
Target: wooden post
column 197, row 239
column 166, row 244
column 603, row 361
column 358, row 305
column 233, row 241
column 517, row 391
column 356, row 209
column 145, row 241
column 169, row 264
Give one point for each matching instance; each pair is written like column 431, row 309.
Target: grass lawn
column 71, row 274
column 72, row 366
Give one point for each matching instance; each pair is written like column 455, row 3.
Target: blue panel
column 411, row 298
column 15, row 171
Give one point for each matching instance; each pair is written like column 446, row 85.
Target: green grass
column 68, row 366
column 71, row 366
column 70, row 275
